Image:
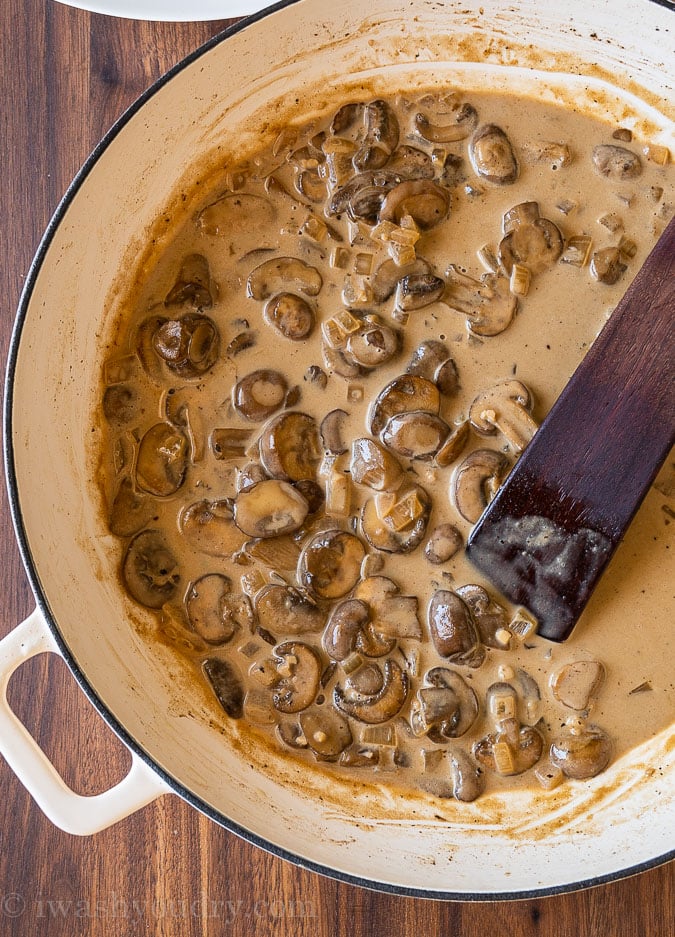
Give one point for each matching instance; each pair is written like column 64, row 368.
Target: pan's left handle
column 71, row 812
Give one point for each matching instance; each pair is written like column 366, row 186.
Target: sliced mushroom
column 209, row 526
column 468, row 781
column 607, row 265
column 283, row 610
column 577, row 684
column 130, row 511
column 453, row 629
column 291, row 315
column 374, row 344
column 193, row 284
column 492, row 155
column 409, row 162
column 226, row 684
column 476, row 480
column 289, row 446
column 421, row 199
column 487, row 303
column 415, row 291
column 427, row 358
column 387, row 276
column 279, row 553
column 529, row 239
column 162, row 460
column 392, row 615
column 259, row 394
column 381, row 136
column 444, row 709
column 616, row 162
column 382, row 705
column 402, row 395
column 464, row 123
column 454, row 445
column 330, row 431
column 214, row 611
column 581, row 752
column 330, row 564
column 396, row 522
column 150, row 570
column 415, row 434
column 337, row 362
column 281, row 274
column 230, row 215
column 269, row 509
column 348, row 630
column 506, row 407
column 299, row 676
column 444, row 542
column 362, row 196
column 490, row 616
column 373, row 466
column 511, row 749
column 326, row 731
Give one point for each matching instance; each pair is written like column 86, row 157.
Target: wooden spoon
column 554, row 524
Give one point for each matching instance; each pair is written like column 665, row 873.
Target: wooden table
column 66, row 75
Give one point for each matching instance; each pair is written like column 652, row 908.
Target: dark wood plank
column 65, row 76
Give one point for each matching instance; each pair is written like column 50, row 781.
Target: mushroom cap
column 269, row 509
column 330, row 564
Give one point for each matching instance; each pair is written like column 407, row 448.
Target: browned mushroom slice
column 327, row 732
column 421, row 199
column 270, row 509
column 299, row 676
column 209, row 527
column 231, row 215
column 453, row 629
column 214, row 611
column 383, row 284
column 373, row 344
column 476, row 480
column 616, row 162
column 331, row 432
column 373, row 466
column 346, row 117
column 188, row 346
column 492, row 155
column 162, row 459
column 487, row 303
column 490, row 616
column 402, row 395
column 464, row 123
column 415, row 434
column 337, row 361
column 396, row 522
column 607, row 265
column 582, row 751
column 143, row 344
column 577, row 683
column 280, row 553
column 506, row 408
column 382, row 705
column 291, row 315
column 427, row 358
column 130, row 510
column 283, row 610
column 444, row 709
column 454, row 444
column 349, row 629
column 409, row 162
column 529, row 239
column 468, row 781
column 226, row 684
column 150, row 571
column 193, row 284
column 289, row 446
column 362, row 196
column 381, row 136
column 444, row 542
column 282, row 274
column 415, row 291
column 330, row 564
column 259, row 394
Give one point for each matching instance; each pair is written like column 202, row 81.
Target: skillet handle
column 71, row 812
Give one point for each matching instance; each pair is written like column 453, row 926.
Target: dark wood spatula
column 553, row 526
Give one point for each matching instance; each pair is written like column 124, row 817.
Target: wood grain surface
column 65, row 76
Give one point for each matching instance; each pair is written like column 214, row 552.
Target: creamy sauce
column 604, row 691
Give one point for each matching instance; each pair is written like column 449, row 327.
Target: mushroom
column 402, row 395
column 143, row 345
column 582, row 751
column 226, row 684
column 391, row 614
column 476, row 480
column 381, row 136
column 269, row 509
column 150, row 570
column 454, row 445
column 490, row 616
column 299, row 675
column 373, row 466
column 275, row 276
column 453, row 629
column 130, row 511
column 505, row 407
column 326, row 731
column 230, row 215
column 330, row 431
column 487, row 303
column 279, row 553
column 427, row 358
column 381, row 705
column 386, row 278
column 529, row 239
column 607, row 265
column 289, row 446
column 291, row 315
column 188, row 346
column 415, row 434
column 373, row 344
column 161, row 462
column 444, row 542
column 464, row 123
column 577, row 683
column 330, row 564
column 259, row 394
column 337, row 362
column 468, row 781
column 396, row 522
column 362, row 196
column 616, row 162
column 416, row 290
column 209, row 527
column 283, row 610
column 492, row 155
column 409, row 162
column 421, row 199
column 511, row 748
column 349, row 630
column 444, row 709
column 214, row 611
column 193, row 284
